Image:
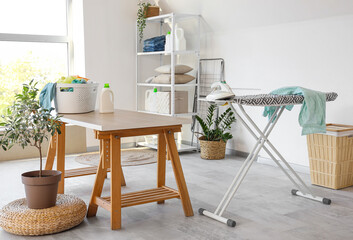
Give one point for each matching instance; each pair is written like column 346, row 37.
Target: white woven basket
column 81, row 100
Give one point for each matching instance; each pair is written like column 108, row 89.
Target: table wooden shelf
column 140, row 197
column 78, row 172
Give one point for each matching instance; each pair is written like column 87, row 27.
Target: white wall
column 109, row 28
column 265, row 44
column 271, row 44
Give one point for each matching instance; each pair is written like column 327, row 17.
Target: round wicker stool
column 18, row 219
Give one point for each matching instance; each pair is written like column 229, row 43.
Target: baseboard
column 296, row 167
column 236, row 153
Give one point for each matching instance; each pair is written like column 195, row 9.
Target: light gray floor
column 263, row 206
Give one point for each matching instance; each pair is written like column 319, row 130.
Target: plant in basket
column 215, row 132
column 145, row 10
column 27, row 124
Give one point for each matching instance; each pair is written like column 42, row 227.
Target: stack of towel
column 154, row 44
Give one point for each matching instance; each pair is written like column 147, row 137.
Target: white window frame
column 68, row 38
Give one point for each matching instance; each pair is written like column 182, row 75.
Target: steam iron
column 220, row 91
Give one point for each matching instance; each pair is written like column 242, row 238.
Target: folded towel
column 154, row 44
column 312, row 117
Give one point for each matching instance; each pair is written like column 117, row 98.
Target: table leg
column 98, row 184
column 60, row 157
column 168, row 155
column 123, row 182
column 161, row 162
column 115, row 185
column 51, row 152
column 105, row 155
column 178, row 173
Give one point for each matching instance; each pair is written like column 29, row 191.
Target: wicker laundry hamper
column 212, row 150
column 331, row 157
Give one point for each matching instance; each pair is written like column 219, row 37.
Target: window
column 35, row 43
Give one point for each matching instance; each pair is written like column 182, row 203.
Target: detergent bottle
column 168, row 41
column 180, row 42
column 106, row 104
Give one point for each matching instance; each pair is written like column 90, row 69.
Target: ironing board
column 280, row 102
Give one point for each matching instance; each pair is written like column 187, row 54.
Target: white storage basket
column 81, row 98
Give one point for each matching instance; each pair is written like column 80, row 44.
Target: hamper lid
column 339, row 130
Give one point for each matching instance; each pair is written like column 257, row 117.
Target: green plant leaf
column 25, row 122
column 141, row 20
column 221, row 124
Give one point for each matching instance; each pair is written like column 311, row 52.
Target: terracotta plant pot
column 152, row 11
column 212, row 150
column 41, row 191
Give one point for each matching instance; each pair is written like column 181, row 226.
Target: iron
column 220, row 91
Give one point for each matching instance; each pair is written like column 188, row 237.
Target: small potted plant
column 215, row 133
column 145, row 10
column 27, row 124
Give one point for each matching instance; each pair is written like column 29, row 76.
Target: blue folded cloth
column 47, row 95
column 154, row 44
column 312, row 116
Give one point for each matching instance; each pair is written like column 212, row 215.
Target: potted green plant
column 215, row 133
column 27, row 124
column 145, row 10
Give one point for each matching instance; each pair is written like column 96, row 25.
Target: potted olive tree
column 215, row 133
column 27, row 124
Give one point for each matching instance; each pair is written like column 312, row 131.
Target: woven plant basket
column 212, row 150
column 152, row 11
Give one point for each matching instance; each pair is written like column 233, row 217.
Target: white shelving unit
column 145, row 61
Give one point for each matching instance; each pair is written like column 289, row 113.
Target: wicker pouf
column 18, row 219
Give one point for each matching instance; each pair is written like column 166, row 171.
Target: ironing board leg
column 304, row 190
column 217, row 215
column 262, row 141
column 307, row 193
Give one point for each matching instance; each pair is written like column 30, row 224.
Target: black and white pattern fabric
column 276, row 100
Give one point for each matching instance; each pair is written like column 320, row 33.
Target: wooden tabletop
column 121, row 120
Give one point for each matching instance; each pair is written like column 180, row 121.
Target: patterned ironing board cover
column 275, row 100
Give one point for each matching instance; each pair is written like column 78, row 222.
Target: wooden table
column 109, row 129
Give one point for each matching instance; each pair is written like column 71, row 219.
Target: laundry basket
column 331, row 157
column 76, row 98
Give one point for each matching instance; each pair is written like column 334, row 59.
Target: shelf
column 181, row 147
column 140, row 197
column 77, row 172
column 165, row 114
column 168, row 53
column 165, row 85
column 192, row 23
column 166, row 17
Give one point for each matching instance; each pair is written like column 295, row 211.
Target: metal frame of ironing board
column 262, row 139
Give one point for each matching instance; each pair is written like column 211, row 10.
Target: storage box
column 331, row 157
column 76, row 98
column 152, row 11
column 160, row 102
